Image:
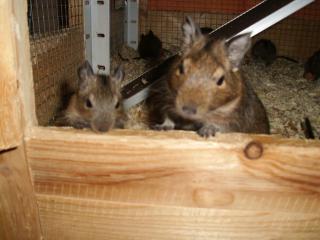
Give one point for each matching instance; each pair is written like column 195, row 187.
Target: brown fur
column 196, row 100
column 97, row 102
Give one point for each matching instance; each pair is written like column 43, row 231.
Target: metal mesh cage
column 297, row 36
column 57, row 42
column 57, row 49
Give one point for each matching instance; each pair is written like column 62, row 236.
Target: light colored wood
column 174, row 185
column 24, row 65
column 177, row 169
column 69, row 218
column 10, row 118
column 19, row 218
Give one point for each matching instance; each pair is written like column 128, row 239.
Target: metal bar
column 131, row 23
column 100, row 26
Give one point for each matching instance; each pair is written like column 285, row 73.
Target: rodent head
column 205, row 79
column 99, row 97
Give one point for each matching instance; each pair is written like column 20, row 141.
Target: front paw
column 207, row 131
column 168, row 124
column 162, row 127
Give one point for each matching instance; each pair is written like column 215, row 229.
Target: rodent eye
column 88, row 103
column 117, row 104
column 220, row 81
column 181, row 68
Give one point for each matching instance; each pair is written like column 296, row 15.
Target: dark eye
column 118, row 104
column 88, row 103
column 220, row 81
column 181, row 68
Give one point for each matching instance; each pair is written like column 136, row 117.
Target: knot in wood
column 253, row 150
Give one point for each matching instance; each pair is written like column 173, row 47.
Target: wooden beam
column 230, row 171
column 24, row 65
column 10, row 118
column 66, row 218
column 19, row 217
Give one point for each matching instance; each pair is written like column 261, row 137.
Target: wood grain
column 73, row 218
column 10, row 118
column 24, row 65
column 177, row 169
column 19, row 217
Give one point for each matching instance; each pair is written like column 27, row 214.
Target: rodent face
column 99, row 99
column 203, row 82
column 264, row 50
column 312, row 67
column 205, row 77
column 149, row 46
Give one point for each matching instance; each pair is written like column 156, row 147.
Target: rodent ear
column 237, row 48
column 191, row 31
column 150, row 33
column 118, row 74
column 85, row 71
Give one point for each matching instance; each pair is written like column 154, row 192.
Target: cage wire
column 297, row 36
column 57, row 44
column 286, row 95
column 57, row 50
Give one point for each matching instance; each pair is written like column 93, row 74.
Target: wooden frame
column 19, row 217
column 174, row 185
column 10, row 118
column 129, row 184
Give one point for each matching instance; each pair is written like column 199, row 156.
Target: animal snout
column 309, row 76
column 189, row 109
column 103, row 128
column 101, row 125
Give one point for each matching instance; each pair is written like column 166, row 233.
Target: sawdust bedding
column 287, row 96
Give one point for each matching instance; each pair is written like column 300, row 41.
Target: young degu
column 96, row 103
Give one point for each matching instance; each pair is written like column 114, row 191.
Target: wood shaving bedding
column 287, row 96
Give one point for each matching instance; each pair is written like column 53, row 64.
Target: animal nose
column 190, row 110
column 103, row 128
column 101, row 125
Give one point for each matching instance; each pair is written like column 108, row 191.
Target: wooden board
column 19, row 217
column 24, row 65
column 69, row 218
column 10, row 118
column 271, row 181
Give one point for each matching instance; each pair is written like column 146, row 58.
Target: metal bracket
column 97, row 34
column 131, row 23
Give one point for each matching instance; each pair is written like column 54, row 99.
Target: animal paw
column 207, row 131
column 162, row 127
column 166, row 125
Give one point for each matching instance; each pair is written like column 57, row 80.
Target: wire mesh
column 57, row 49
column 57, row 44
column 297, row 36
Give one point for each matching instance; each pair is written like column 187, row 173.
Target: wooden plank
column 178, row 169
column 10, row 119
column 24, row 65
column 69, row 218
column 19, row 217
